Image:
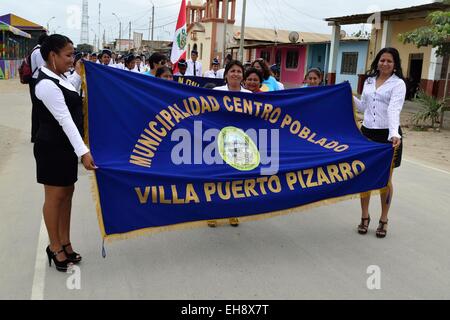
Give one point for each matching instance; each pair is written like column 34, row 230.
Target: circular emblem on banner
column 237, row 149
column 182, row 39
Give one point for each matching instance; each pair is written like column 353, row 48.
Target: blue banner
column 199, row 81
column 173, row 156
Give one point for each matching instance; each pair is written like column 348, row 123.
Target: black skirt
column 56, row 165
column 381, row 135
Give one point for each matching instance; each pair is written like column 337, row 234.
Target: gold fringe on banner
column 225, row 221
column 85, row 105
column 94, row 186
column 203, row 223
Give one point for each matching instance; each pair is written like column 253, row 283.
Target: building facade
column 421, row 67
column 205, row 28
column 351, row 62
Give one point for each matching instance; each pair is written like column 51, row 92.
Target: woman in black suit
column 58, row 144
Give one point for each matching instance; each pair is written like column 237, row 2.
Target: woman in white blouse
column 58, row 144
column 234, row 76
column 381, row 102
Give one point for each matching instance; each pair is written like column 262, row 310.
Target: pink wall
column 293, row 77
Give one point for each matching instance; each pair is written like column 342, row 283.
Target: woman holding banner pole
column 381, row 102
column 58, row 144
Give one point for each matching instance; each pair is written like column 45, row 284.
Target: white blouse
column 52, row 97
column 382, row 106
column 225, row 88
column 36, row 61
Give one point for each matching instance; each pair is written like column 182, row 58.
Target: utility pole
column 129, row 36
column 99, row 10
column 153, row 20
column 225, row 21
column 149, row 28
column 120, row 34
column 241, row 45
column 120, row 29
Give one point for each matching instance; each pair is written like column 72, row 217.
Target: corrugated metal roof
column 278, row 36
column 362, row 18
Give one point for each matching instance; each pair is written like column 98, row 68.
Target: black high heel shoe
column 381, row 230
column 72, row 257
column 363, row 227
column 60, row 265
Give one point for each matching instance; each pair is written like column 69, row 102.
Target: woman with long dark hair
column 253, row 80
column 269, row 83
column 381, row 102
column 164, row 73
column 59, row 144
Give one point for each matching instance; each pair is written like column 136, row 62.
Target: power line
column 300, row 12
column 157, row 27
column 168, row 5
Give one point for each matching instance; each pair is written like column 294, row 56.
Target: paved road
column 316, row 254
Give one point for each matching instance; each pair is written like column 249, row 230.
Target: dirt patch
column 8, row 137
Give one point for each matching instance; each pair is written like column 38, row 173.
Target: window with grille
column 349, row 62
column 292, row 59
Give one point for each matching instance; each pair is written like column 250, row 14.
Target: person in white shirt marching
column 182, row 68
column 227, row 60
column 130, row 63
column 214, row 72
column 234, row 75
column 105, row 57
column 58, row 145
column 382, row 101
column 139, row 66
column 194, row 66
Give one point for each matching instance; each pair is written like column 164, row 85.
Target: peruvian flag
column 180, row 38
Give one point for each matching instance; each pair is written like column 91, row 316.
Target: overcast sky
column 295, row 15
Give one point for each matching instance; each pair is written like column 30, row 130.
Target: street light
column 120, row 28
column 48, row 23
column 95, row 39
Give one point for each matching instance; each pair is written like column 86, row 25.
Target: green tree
column 437, row 35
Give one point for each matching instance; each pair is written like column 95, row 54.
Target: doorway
column 414, row 74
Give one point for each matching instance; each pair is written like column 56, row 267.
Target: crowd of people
column 257, row 76
column 57, row 127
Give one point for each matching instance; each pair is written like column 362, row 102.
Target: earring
column 54, row 65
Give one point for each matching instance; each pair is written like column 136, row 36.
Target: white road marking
column 426, row 166
column 37, row 291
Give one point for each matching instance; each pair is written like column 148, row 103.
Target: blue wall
column 316, row 56
column 352, row 46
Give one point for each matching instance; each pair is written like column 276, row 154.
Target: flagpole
column 225, row 21
column 180, row 38
column 241, row 45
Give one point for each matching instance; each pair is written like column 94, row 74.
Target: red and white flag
column 180, row 38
